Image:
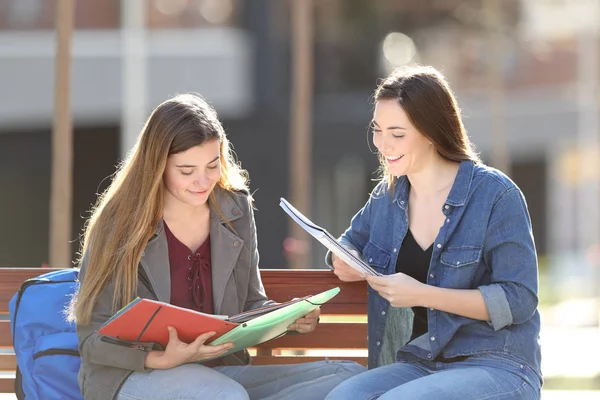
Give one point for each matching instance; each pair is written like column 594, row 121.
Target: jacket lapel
column 225, row 248
column 155, row 261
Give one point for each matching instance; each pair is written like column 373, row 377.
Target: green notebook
column 273, row 324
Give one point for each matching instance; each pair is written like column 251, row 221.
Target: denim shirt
column 485, row 243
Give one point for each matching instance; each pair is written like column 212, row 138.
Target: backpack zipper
column 54, row 352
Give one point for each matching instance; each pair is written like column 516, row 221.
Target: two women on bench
column 454, row 315
column 177, row 225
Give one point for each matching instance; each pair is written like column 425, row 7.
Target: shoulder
column 233, row 203
column 493, row 183
column 242, row 198
column 493, row 177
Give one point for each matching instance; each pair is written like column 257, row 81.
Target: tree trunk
column 62, row 141
column 301, row 126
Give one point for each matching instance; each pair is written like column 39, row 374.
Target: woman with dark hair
column 454, row 314
column 176, row 225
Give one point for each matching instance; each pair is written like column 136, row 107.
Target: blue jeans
column 478, row 377
column 310, row 381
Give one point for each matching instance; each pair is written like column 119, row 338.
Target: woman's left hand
column 306, row 324
column 399, row 289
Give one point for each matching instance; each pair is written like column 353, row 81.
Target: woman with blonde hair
column 176, row 225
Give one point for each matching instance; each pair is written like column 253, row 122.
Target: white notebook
column 326, row 239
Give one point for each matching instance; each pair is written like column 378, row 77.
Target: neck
column 435, row 177
column 176, row 212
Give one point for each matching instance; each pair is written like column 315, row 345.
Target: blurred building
column 237, row 54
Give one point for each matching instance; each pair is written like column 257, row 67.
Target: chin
column 194, row 201
column 397, row 171
column 199, row 202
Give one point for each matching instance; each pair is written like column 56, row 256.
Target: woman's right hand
column 177, row 352
column 345, row 272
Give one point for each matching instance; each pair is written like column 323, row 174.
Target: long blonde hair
column 126, row 215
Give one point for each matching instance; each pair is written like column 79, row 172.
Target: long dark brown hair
column 127, row 213
column 426, row 98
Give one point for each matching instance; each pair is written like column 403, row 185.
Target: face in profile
column 404, row 149
column 190, row 176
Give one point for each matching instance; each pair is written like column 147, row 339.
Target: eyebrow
column 194, row 166
column 389, row 127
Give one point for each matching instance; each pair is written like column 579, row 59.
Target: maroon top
column 191, row 281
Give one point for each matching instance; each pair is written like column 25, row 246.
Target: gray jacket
column 236, row 285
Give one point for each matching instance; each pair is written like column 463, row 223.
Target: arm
column 509, row 251
column 402, row 290
column 466, row 302
column 103, row 350
column 357, row 234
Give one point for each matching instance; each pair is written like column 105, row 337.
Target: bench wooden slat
column 5, row 334
column 279, row 360
column 325, row 336
column 351, row 300
column 7, row 384
column 8, row 362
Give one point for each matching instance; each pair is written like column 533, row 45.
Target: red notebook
column 146, row 320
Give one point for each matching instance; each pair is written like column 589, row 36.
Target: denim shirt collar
column 458, row 193
column 462, row 184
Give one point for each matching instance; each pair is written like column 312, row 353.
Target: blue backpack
column 45, row 344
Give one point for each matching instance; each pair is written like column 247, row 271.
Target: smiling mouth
column 199, row 192
column 393, row 159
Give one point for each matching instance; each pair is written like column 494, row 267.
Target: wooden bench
column 342, row 327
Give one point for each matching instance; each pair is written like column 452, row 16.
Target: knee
column 346, row 368
column 355, row 387
column 221, row 389
column 232, row 390
column 210, row 384
column 345, row 390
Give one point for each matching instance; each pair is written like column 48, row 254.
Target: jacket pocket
column 458, row 257
column 376, row 257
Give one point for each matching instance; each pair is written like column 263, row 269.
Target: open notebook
column 326, row 239
column 146, row 320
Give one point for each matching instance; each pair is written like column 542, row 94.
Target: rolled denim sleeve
column 512, row 295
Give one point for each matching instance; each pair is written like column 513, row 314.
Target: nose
column 201, row 181
column 385, row 143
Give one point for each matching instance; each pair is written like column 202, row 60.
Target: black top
column 414, row 262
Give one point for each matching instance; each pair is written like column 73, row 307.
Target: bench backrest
column 343, row 318
column 342, row 327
